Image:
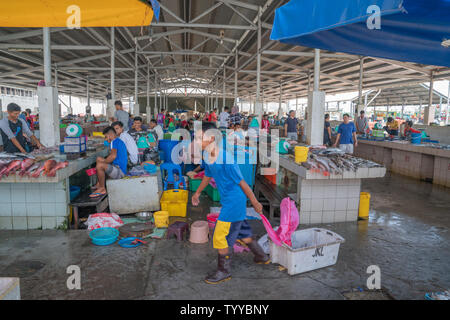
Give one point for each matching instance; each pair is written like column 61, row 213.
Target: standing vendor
column 12, row 130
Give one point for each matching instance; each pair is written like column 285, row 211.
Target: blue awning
column 410, row 30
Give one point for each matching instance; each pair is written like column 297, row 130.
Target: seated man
column 12, row 130
column 391, row 127
column 409, row 129
column 137, row 126
column 155, row 126
column 128, row 140
column 114, row 165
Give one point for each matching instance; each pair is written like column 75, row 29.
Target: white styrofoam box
column 311, row 249
column 133, row 195
column 5, row 223
column 9, row 289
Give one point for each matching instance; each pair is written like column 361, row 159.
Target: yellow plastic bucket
column 97, row 134
column 364, row 205
column 161, row 219
column 301, row 154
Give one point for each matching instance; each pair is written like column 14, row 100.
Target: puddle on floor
column 22, row 269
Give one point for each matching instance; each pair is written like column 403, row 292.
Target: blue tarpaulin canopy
column 410, row 30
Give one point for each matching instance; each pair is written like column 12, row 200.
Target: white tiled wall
column 33, row 205
column 327, row 201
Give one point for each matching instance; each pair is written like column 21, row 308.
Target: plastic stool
column 199, row 232
column 178, row 228
column 167, row 172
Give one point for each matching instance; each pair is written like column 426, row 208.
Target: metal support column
column 113, row 52
column 258, row 70
column 360, row 86
column 236, row 75
column 47, row 57
column 223, row 89
column 136, row 110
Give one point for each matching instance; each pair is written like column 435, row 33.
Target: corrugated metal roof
column 193, row 40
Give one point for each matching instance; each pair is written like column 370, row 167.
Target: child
column 234, row 191
column 114, row 165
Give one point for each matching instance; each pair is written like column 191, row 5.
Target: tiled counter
column 416, row 161
column 327, row 199
column 28, row 203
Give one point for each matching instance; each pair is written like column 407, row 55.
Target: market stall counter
column 331, row 197
column 428, row 161
column 42, row 202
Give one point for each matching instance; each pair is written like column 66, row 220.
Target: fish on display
column 38, row 171
column 58, row 166
column 49, row 165
column 25, row 164
column 32, row 168
column 12, row 167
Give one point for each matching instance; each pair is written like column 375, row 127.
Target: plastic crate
column 175, row 202
column 194, row 184
column 213, row 193
column 311, row 249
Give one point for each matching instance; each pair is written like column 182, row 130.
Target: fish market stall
column 34, row 191
column 329, row 184
column 426, row 161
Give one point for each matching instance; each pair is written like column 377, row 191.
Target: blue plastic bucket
column 74, row 192
column 416, row 138
column 104, row 236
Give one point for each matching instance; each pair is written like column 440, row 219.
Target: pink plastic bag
column 288, row 223
column 103, row 220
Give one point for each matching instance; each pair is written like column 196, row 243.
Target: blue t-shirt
column 227, row 177
column 121, row 159
column 346, row 131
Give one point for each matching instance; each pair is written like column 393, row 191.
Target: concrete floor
column 407, row 236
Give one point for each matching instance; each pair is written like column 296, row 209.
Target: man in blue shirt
column 290, row 126
column 346, row 135
column 114, row 165
column 234, row 191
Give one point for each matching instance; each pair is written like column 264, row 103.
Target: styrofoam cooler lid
column 74, row 130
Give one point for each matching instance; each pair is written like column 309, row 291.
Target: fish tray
column 311, row 249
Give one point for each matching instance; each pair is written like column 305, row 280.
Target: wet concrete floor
column 407, row 236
